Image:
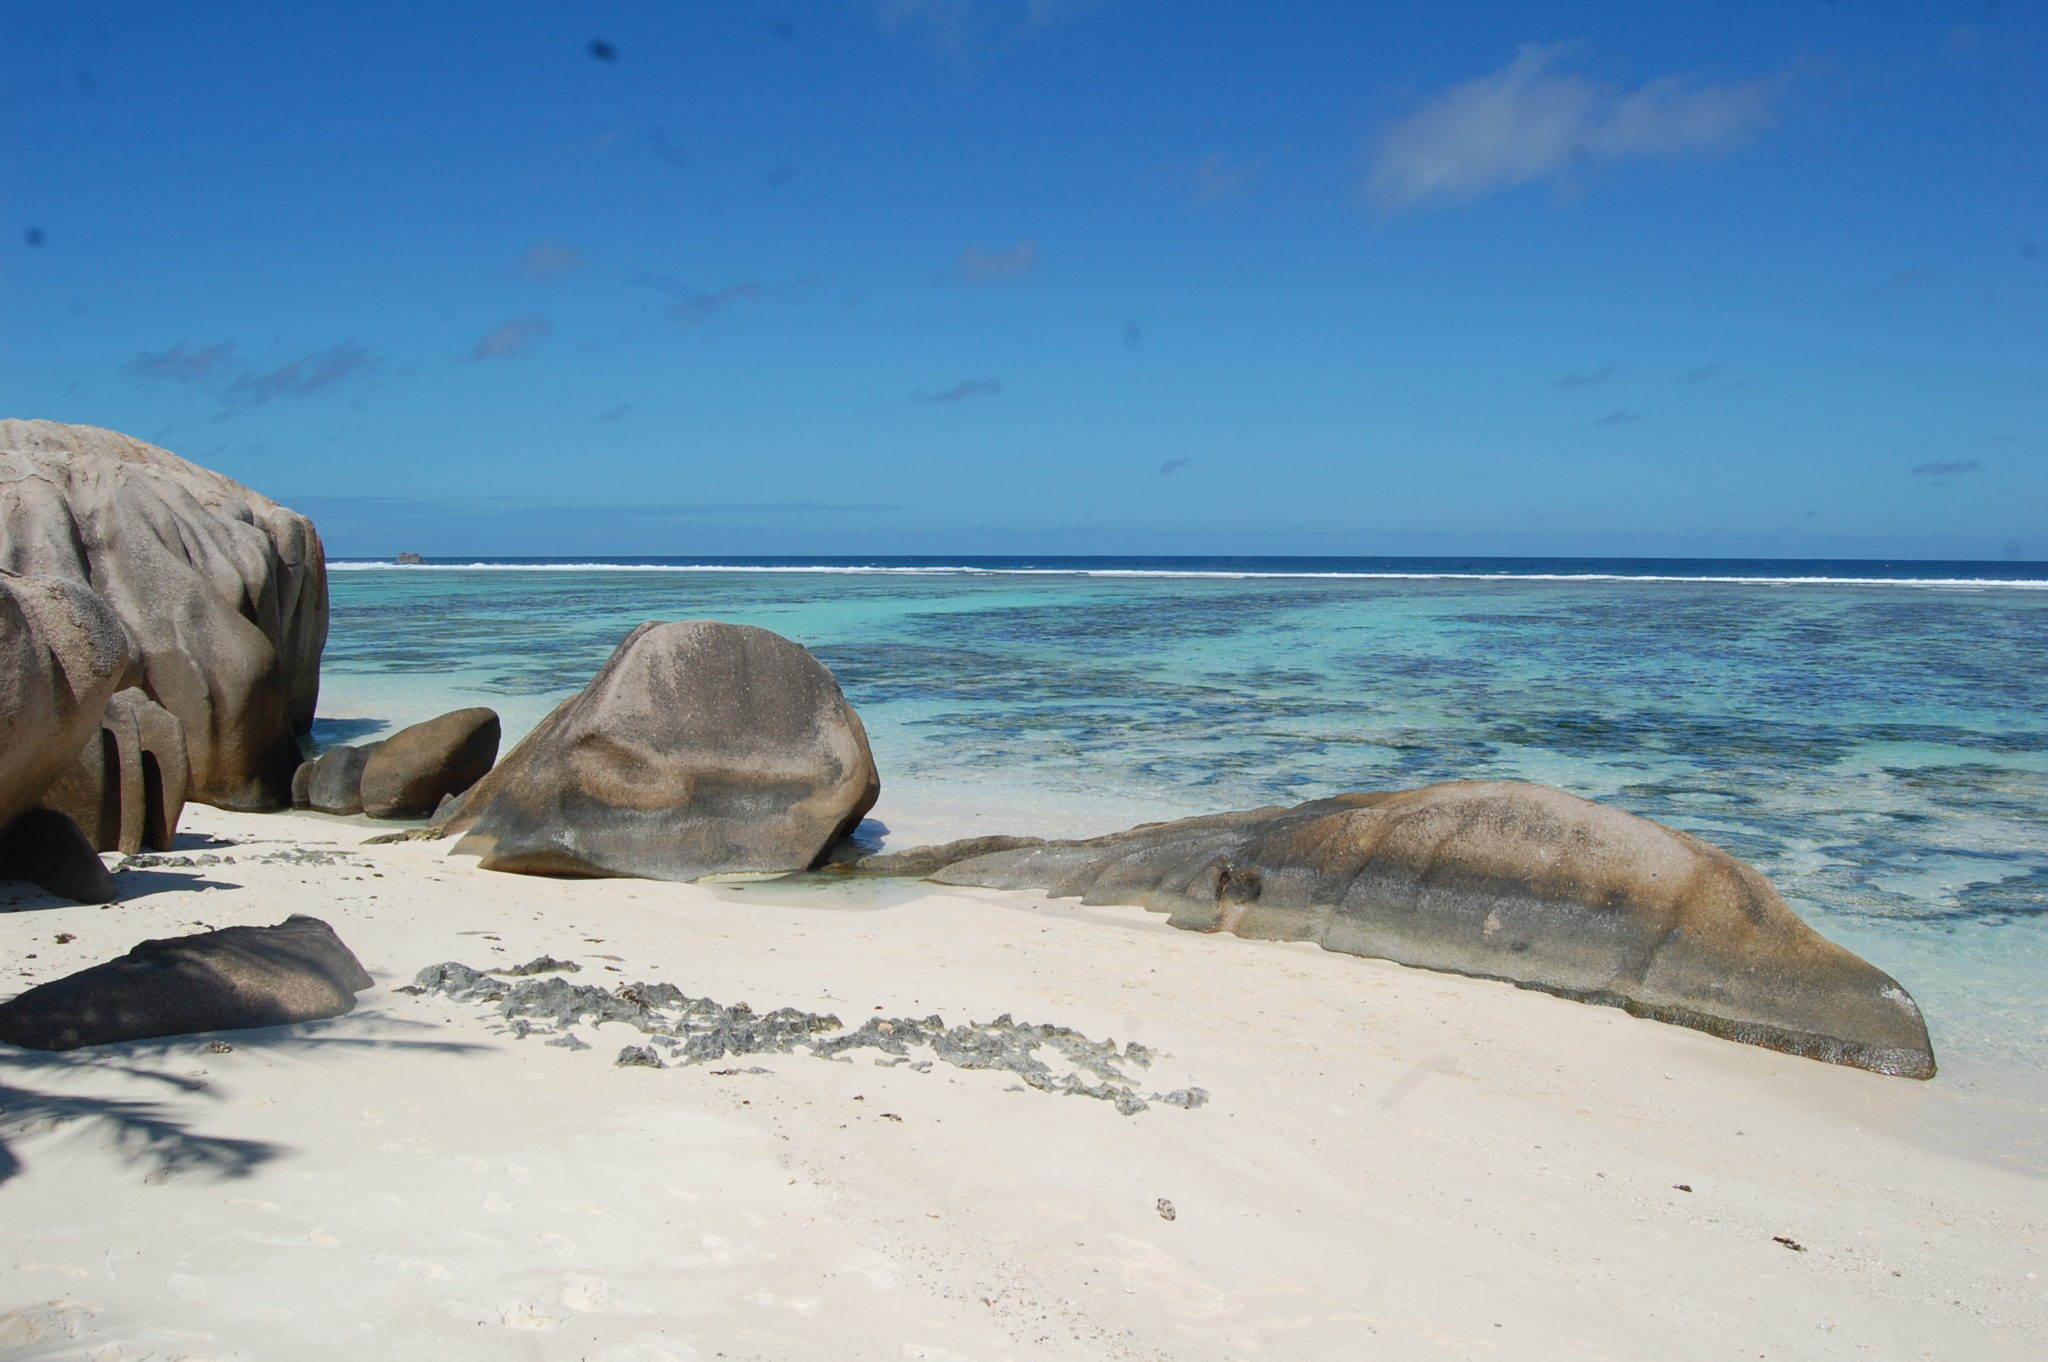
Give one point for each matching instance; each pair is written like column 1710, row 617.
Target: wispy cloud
column 951, row 24
column 614, row 413
column 692, row 305
column 946, row 22
column 657, row 137
column 1172, row 464
column 550, row 260
column 1215, row 177
column 305, row 376
column 1588, row 378
column 510, row 337
column 1531, row 120
column 1943, row 468
column 1047, row 13
column 1618, row 417
column 966, row 388
column 1692, row 378
column 1905, row 281
column 179, row 365
column 979, row 265
column 702, row 308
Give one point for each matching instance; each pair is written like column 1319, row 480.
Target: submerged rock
column 223, row 980
column 1505, row 881
column 223, row 590
column 700, row 748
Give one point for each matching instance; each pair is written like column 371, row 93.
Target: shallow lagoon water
column 1878, row 747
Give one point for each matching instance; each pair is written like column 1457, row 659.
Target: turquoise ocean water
column 1872, row 736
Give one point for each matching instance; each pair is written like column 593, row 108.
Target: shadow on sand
column 150, row 1132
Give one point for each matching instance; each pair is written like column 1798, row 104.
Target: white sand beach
column 1393, row 1163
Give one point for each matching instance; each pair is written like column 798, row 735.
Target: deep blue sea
column 1872, row 735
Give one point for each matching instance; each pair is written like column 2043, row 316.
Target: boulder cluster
column 160, row 637
column 406, row 775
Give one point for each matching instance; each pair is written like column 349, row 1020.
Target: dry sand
column 1394, row 1164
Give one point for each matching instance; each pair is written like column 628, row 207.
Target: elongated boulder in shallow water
column 700, row 748
column 224, row 591
column 1504, row 881
column 223, row 980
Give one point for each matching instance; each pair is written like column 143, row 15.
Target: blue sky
column 1039, row 276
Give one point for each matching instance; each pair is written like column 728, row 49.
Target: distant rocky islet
column 160, row 635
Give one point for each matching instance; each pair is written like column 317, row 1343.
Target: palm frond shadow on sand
column 152, row 1132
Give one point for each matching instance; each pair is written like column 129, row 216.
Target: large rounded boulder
column 223, row 590
column 409, row 773
column 700, row 748
column 63, row 653
column 1506, row 881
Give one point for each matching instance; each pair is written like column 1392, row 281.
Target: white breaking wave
column 1218, row 574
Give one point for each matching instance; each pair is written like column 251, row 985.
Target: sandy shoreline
column 1393, row 1163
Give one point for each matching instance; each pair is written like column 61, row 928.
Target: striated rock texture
column 409, row 773
column 126, row 790
column 210, row 981
column 1506, row 881
column 223, row 590
column 700, row 748
column 62, row 654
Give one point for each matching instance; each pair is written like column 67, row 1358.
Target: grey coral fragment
column 696, row 1031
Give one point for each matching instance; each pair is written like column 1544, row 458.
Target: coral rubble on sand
column 698, row 1030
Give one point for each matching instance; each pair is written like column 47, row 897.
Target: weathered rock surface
column 223, row 591
column 126, row 788
column 47, row 849
column 919, row 862
column 1505, row 881
column 62, row 654
column 211, row 981
column 700, row 748
column 410, row 772
column 333, row 781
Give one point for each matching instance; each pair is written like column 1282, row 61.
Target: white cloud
column 510, row 337
column 1217, row 176
column 1531, row 121
column 953, row 24
column 550, row 260
column 979, row 265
